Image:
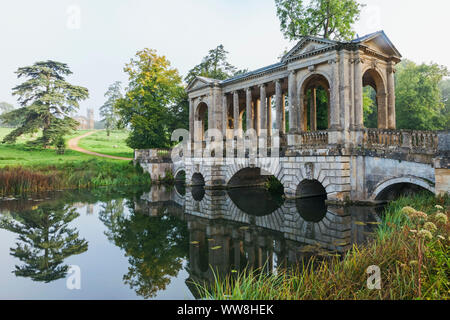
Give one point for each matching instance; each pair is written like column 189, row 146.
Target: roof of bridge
column 377, row 40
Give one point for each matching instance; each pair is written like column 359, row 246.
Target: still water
column 152, row 244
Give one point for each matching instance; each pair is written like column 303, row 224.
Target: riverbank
column 411, row 249
column 29, row 170
column 20, row 180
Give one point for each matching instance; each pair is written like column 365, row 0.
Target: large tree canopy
column 330, row 19
column 46, row 101
column 445, row 92
column 154, row 87
column 419, row 102
column 215, row 65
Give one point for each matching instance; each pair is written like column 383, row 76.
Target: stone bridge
column 308, row 110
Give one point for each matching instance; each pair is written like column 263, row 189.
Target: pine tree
column 46, row 101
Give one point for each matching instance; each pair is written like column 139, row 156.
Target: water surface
column 153, row 244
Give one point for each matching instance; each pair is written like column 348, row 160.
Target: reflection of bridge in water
column 230, row 230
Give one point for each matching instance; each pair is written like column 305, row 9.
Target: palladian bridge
column 307, row 110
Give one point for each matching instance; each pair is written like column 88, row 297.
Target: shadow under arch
column 397, row 190
column 197, row 180
column 311, row 200
column 255, row 201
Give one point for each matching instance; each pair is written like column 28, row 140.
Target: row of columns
column 258, row 110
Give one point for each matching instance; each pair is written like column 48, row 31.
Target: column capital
column 281, row 80
column 292, row 72
column 263, row 85
column 333, row 61
column 248, row 89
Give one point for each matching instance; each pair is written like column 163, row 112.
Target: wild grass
column 395, row 251
column 18, row 180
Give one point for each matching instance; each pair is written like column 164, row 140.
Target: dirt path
column 73, row 145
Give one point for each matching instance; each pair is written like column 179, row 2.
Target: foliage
column 44, row 241
column 107, row 110
column 419, row 103
column 155, row 247
column 153, row 87
column 395, row 250
column 46, row 101
column 215, row 66
column 323, row 18
column 60, row 145
column 445, row 92
column 370, row 109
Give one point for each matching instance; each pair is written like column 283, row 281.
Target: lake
column 129, row 243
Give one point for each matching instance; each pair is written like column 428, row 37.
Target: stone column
column 263, row 107
column 269, row 116
column 224, row 115
column 283, row 119
column 359, row 120
column 313, row 110
column 391, row 96
column 382, row 111
column 292, row 87
column 236, row 110
column 256, row 115
column 249, row 110
column 279, row 105
column 191, row 119
column 335, row 123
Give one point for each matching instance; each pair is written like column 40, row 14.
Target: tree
column 444, row 86
column 330, row 19
column 46, row 101
column 419, row 103
column 44, row 241
column 107, row 110
column 153, row 88
column 215, row 65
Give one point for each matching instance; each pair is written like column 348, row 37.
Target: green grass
column 114, row 145
column 25, row 170
column 394, row 251
column 20, row 154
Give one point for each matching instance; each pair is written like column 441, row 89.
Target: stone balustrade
column 314, row 138
column 152, row 155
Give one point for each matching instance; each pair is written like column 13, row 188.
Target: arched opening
column 201, row 117
column 397, row 190
column 197, row 180
column 310, row 188
column 311, row 200
column 180, row 182
column 255, row 201
column 374, row 100
column 316, row 101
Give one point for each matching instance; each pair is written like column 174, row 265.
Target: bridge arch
column 416, row 183
column 197, row 180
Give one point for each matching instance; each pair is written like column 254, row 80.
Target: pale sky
column 97, row 42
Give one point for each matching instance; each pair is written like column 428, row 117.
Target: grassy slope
column 19, row 154
column 113, row 145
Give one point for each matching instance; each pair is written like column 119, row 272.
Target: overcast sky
column 97, row 37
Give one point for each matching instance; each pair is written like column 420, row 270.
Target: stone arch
column 179, row 172
column 407, row 180
column 197, row 179
column 314, row 85
column 201, row 120
column 268, row 166
column 373, row 78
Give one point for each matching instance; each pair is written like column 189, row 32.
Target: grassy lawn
column 20, row 154
column 113, row 145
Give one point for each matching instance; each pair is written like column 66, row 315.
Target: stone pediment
column 379, row 42
column 200, row 82
column 308, row 45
